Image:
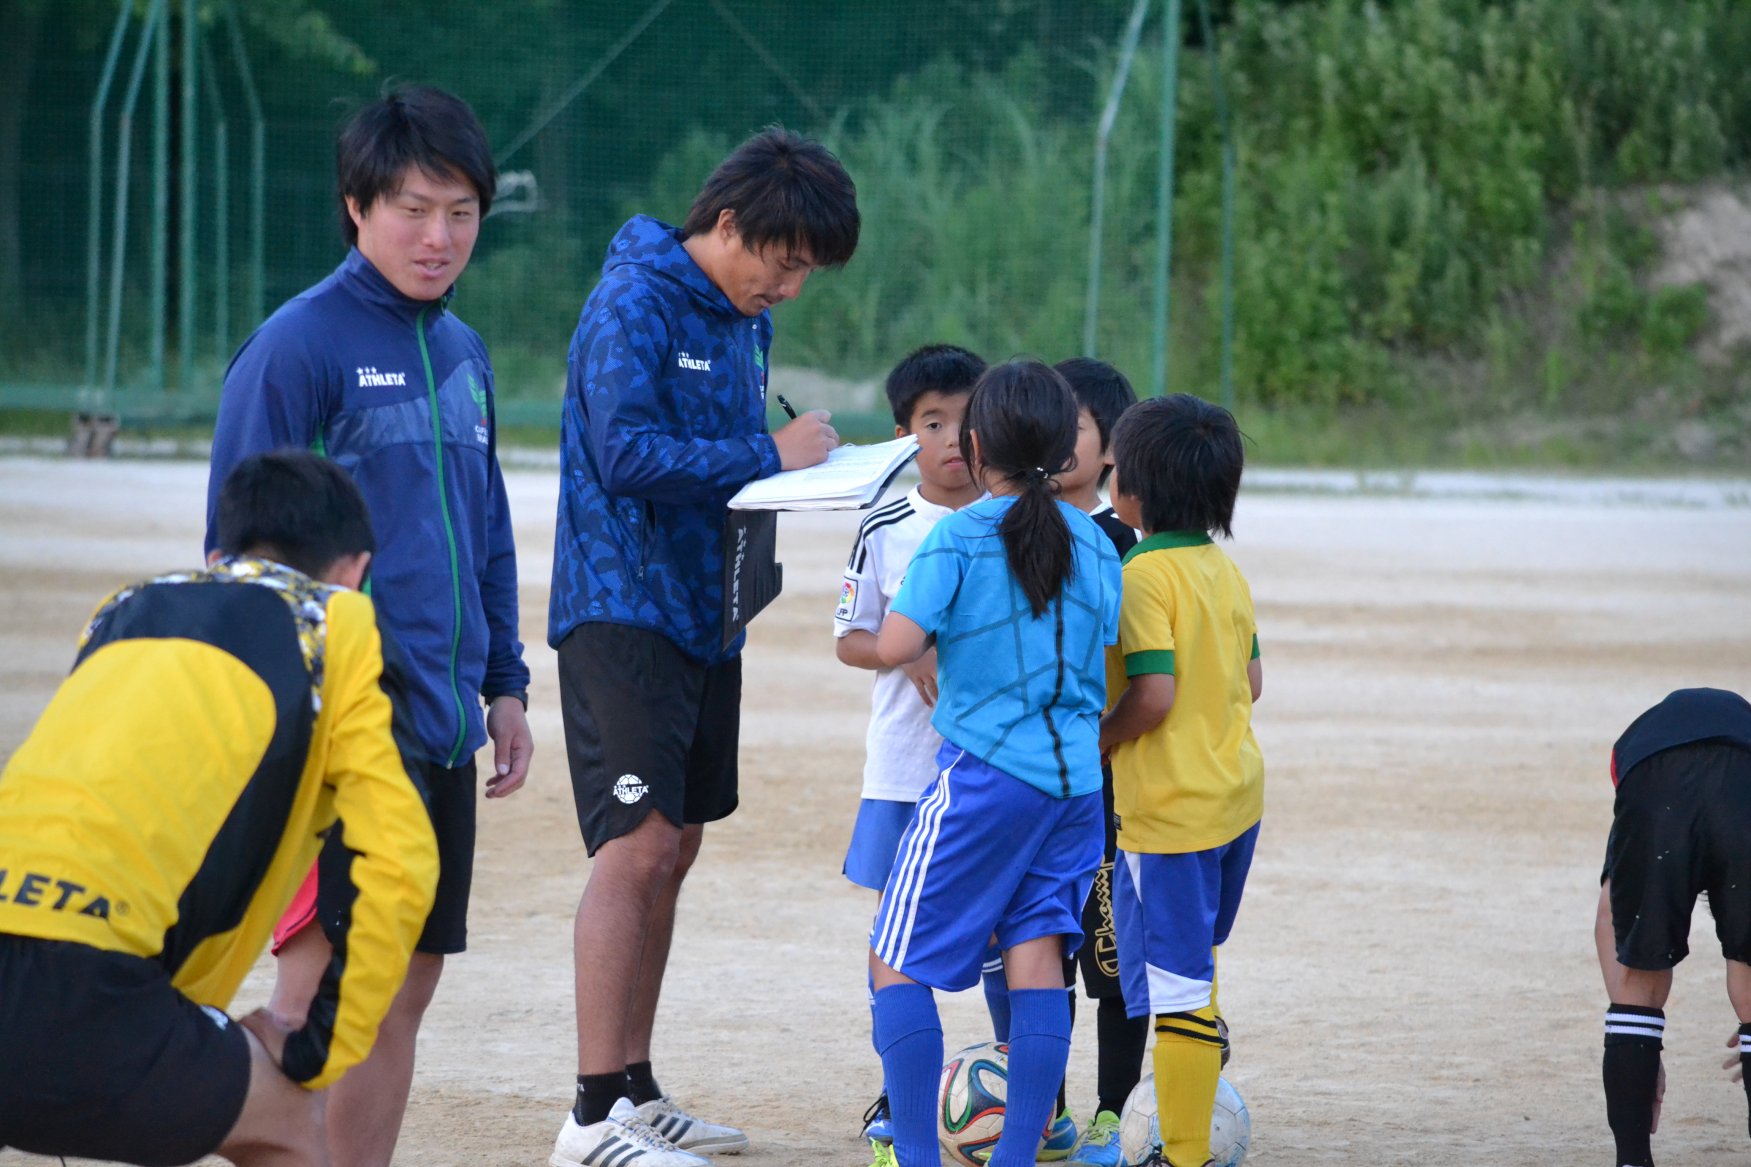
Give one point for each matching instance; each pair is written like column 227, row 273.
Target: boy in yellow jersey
column 1188, row 780
column 160, row 815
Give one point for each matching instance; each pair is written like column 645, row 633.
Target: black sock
column 643, row 1083
column 597, row 1094
column 1119, row 1045
column 1745, row 1063
column 1633, row 1040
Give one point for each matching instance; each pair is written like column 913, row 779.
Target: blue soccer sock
column 909, row 1036
column 869, row 985
column 1039, row 1047
column 996, row 986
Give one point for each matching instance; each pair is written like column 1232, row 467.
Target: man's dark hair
column 1103, row 391
column 414, row 125
column 303, row 509
column 945, row 368
column 1181, row 458
column 786, row 189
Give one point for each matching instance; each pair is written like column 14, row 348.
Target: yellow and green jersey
column 1195, row 781
column 172, row 795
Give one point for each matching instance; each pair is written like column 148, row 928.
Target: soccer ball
column 1230, row 1125
column 969, row 1113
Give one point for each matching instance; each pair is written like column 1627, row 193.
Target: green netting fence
column 1360, row 191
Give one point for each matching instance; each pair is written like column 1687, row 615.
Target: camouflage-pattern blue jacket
column 399, row 392
column 665, row 419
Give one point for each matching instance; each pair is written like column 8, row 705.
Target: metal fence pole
column 221, row 204
column 1219, row 92
column 1170, row 39
column 94, row 208
column 1098, row 197
column 160, row 192
column 258, row 168
column 119, row 236
column 187, row 215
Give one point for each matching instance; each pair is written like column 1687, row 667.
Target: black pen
column 785, row 405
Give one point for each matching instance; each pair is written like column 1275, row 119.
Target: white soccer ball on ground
column 969, row 1112
column 1230, row 1125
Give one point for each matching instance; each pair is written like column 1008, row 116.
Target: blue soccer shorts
column 1170, row 911
column 984, row 852
column 875, row 840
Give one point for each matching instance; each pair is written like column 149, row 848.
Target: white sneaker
column 689, row 1133
column 623, row 1139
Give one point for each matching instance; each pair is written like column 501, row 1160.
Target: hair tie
column 1037, row 474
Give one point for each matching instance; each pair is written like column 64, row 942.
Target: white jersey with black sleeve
column 900, row 748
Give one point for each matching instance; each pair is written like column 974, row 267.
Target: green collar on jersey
column 1167, row 541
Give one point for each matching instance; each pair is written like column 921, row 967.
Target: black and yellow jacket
column 173, row 793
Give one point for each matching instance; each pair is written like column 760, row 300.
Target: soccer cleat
column 884, row 1154
column 1060, row 1138
column 689, row 1133
column 1099, row 1144
column 878, row 1124
column 623, row 1139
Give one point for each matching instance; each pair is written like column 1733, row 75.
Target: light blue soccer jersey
column 1008, row 693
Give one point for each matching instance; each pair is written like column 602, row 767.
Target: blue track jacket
column 665, row 419
column 400, row 393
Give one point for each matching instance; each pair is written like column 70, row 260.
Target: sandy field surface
column 1411, row 980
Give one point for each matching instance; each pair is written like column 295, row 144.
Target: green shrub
column 1408, row 175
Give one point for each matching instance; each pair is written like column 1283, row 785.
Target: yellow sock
column 1188, row 1059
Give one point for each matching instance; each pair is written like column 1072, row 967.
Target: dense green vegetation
column 1446, row 216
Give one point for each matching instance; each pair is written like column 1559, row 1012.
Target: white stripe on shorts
column 900, row 910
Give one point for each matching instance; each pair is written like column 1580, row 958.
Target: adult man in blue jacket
column 370, row 368
column 665, row 419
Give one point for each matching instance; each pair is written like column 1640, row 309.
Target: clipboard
column 851, row 478
column 753, row 577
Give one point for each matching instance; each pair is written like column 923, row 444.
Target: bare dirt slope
column 1411, row 980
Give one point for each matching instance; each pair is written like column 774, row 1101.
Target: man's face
column 757, row 279
column 420, row 236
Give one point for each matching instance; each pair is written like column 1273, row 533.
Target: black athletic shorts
column 451, row 798
column 646, row 728
column 1099, row 954
column 1682, row 827
column 101, row 1058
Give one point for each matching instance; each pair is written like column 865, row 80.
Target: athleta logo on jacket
column 369, row 377
column 694, row 363
column 33, row 889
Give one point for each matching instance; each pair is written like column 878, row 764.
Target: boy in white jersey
column 928, row 393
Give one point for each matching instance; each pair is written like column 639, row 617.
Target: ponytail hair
column 1025, row 416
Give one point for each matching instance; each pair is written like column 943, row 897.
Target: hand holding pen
column 807, row 440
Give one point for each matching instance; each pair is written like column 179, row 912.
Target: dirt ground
column 1412, row 977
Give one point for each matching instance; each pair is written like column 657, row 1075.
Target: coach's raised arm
column 665, row 419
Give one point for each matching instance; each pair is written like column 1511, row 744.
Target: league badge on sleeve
column 847, row 599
